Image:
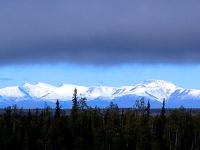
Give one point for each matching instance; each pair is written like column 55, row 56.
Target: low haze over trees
column 88, row 128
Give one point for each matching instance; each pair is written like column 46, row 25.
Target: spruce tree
column 162, row 126
column 162, row 114
column 148, row 108
column 75, row 101
column 74, row 114
column 58, row 109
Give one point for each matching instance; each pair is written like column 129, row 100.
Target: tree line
column 89, row 128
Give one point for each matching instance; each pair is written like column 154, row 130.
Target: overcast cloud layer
column 101, row 32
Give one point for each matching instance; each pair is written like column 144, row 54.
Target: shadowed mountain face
column 41, row 94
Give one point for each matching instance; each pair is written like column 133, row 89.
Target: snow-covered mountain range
column 41, row 94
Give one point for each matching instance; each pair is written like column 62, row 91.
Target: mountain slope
column 36, row 95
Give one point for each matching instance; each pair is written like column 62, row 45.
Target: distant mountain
column 41, row 94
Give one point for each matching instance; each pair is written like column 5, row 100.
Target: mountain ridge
column 125, row 96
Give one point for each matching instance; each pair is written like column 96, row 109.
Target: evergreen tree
column 74, row 116
column 163, row 110
column 148, row 109
column 75, row 101
column 161, row 127
column 58, row 109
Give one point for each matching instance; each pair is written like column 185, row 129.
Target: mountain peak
column 26, row 84
column 160, row 83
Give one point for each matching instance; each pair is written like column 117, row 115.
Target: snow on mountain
column 11, row 92
column 48, row 92
column 39, row 90
column 183, row 94
column 65, row 91
column 125, row 96
column 101, row 91
column 156, row 89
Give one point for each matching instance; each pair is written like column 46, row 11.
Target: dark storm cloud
column 100, row 32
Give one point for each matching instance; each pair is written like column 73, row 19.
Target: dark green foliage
column 162, row 114
column 99, row 129
column 75, row 101
column 58, row 109
column 148, row 109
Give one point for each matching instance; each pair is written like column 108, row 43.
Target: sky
column 103, row 42
column 186, row 76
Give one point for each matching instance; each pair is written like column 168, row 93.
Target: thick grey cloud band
column 100, row 32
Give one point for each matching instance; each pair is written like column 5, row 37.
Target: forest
column 87, row 128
